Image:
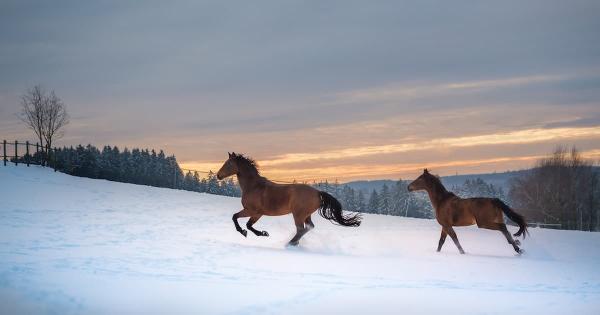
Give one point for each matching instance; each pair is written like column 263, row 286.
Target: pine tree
column 348, row 198
column 360, row 201
column 196, row 182
column 384, row 200
column 125, row 170
column 188, row 181
column 212, row 186
column 373, row 206
column 400, row 199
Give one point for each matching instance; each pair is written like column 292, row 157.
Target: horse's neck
column 248, row 181
column 437, row 194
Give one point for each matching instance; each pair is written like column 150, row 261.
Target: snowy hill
column 80, row 246
column 496, row 179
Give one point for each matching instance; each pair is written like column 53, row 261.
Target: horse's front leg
column 442, row 239
column 251, row 222
column 452, row 234
column 242, row 214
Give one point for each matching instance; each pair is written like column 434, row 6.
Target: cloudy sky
column 314, row 89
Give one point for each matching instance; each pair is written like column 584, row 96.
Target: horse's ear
column 229, row 154
column 425, row 171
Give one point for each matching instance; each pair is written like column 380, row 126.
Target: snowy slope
column 83, row 246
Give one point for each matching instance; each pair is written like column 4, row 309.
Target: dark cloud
column 590, row 121
column 221, row 71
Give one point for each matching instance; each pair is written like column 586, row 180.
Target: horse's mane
column 438, row 186
column 246, row 162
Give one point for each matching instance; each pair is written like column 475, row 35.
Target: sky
column 314, row 90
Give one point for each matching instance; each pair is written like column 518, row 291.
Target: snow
column 74, row 245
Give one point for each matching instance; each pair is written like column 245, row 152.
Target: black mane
column 437, row 184
column 246, row 162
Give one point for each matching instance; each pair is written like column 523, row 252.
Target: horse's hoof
column 517, row 242
column 295, row 243
column 264, row 233
column 244, row 232
column 520, row 252
column 462, row 252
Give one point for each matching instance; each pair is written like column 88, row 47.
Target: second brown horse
column 451, row 210
column 261, row 196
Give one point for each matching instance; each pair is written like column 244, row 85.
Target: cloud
column 591, row 120
column 402, row 91
column 515, row 137
column 305, row 80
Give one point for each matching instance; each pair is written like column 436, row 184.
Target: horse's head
column 422, row 182
column 230, row 167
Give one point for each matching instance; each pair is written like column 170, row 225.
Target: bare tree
column 56, row 119
column 46, row 115
column 561, row 189
column 33, row 113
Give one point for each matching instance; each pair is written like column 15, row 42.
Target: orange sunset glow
column 306, row 166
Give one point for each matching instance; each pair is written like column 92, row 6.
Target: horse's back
column 484, row 210
column 280, row 199
column 304, row 197
column 468, row 211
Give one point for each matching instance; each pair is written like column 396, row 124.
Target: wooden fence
column 28, row 150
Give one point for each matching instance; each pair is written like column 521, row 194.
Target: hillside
column 497, row 179
column 75, row 245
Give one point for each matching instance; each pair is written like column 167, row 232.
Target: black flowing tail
column 331, row 209
column 515, row 217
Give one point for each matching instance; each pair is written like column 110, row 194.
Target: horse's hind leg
column 509, row 238
column 452, row 234
column 242, row 214
column 300, row 230
column 255, row 231
column 309, row 223
column 442, row 239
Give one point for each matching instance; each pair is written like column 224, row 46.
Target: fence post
column 4, row 151
column 37, row 152
column 27, row 152
column 55, row 166
column 16, row 155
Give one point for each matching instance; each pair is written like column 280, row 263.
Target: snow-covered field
column 83, row 246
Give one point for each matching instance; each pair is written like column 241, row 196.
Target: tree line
column 135, row 166
column 563, row 189
column 389, row 200
column 396, row 200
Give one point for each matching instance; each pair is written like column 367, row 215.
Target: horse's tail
column 515, row 217
column 331, row 209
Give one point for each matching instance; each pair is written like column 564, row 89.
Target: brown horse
column 261, row 196
column 451, row 210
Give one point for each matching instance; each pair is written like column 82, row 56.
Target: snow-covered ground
column 77, row 245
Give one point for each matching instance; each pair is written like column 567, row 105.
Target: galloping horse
column 261, row 196
column 451, row 210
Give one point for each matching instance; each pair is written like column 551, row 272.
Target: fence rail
column 29, row 156
column 557, row 226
